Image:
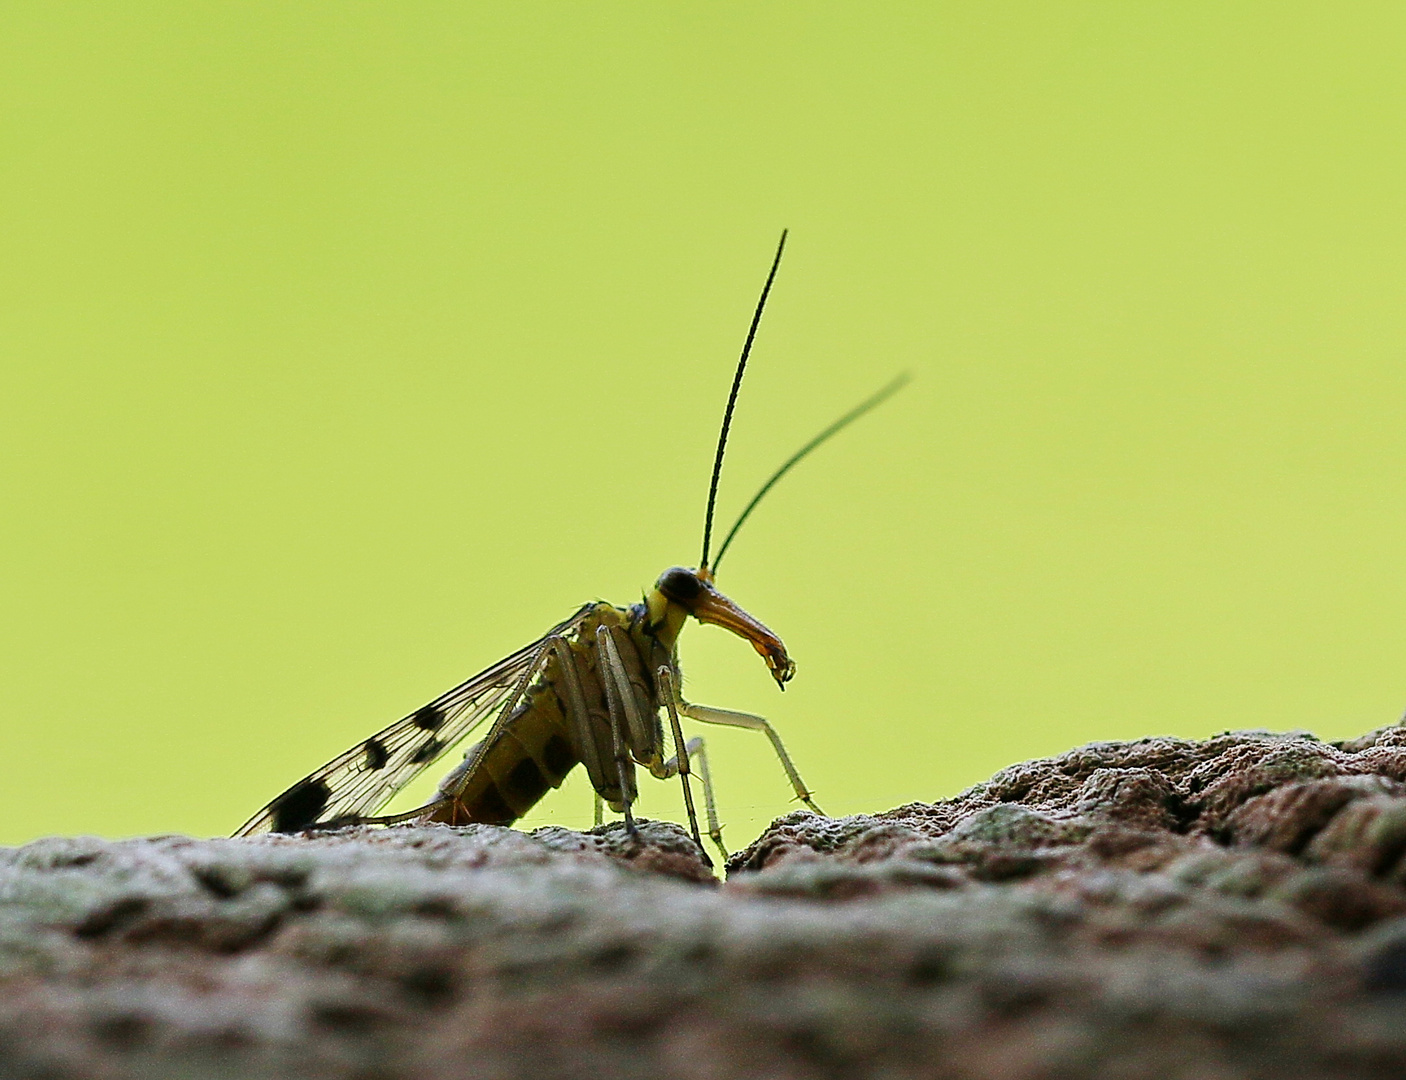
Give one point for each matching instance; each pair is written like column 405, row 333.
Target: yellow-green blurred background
column 347, row 347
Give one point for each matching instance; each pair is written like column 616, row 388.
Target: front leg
column 679, row 766
column 706, row 714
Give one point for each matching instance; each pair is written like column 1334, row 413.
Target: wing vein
column 362, row 779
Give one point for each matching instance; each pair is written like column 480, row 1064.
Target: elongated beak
column 713, row 607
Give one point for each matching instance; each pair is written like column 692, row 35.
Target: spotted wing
column 363, row 779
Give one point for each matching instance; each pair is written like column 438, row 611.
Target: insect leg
column 576, row 712
column 698, row 754
column 710, row 804
column 620, row 703
column 644, row 741
column 694, row 750
column 666, row 690
column 728, row 718
column 600, row 810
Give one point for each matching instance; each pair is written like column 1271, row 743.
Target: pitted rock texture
column 1162, row 908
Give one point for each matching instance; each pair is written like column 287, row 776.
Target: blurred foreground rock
column 1161, row 908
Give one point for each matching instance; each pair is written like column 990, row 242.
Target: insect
column 589, row 692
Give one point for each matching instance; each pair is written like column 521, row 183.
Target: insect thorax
column 538, row 745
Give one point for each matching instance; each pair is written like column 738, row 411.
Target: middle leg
column 679, row 764
column 620, row 707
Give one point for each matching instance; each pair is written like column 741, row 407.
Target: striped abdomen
column 531, row 756
column 535, row 749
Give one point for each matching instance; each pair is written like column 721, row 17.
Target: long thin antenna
column 844, row 421
column 732, row 401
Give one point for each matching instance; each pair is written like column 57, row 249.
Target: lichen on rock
column 1163, row 908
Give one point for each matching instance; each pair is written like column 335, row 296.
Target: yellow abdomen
column 536, row 747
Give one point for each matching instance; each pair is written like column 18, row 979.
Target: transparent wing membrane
column 360, row 781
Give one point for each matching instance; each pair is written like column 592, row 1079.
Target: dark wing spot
column 428, row 752
column 558, row 757
column 429, row 718
column 526, row 784
column 376, row 754
column 298, row 807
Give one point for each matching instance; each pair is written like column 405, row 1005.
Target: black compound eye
column 680, row 585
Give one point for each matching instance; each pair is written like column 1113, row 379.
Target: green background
column 347, row 347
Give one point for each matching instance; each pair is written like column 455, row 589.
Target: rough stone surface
column 1161, row 908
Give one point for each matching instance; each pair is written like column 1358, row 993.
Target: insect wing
column 361, row 780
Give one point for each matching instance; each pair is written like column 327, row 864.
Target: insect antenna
column 731, row 402
column 844, row 421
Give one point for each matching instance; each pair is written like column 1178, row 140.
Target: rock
column 1161, row 908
